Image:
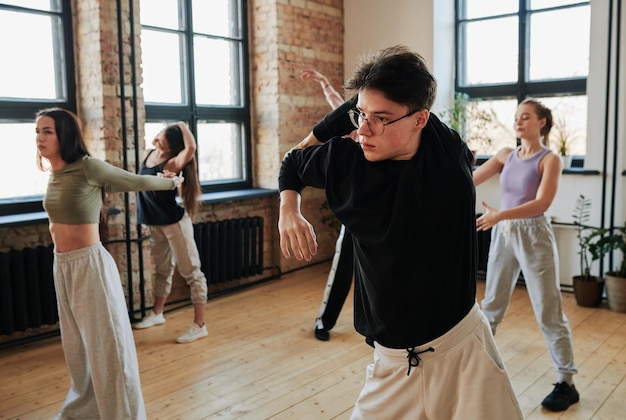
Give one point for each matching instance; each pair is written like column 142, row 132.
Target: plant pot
column 588, row 293
column 567, row 162
column 616, row 292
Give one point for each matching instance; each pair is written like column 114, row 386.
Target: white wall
column 427, row 26
column 373, row 24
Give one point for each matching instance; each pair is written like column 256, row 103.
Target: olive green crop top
column 74, row 193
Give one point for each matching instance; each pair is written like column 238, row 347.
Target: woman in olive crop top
column 522, row 240
column 171, row 228
column 95, row 329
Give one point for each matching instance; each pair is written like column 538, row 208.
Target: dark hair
column 400, row 74
column 69, row 132
column 542, row 112
column 190, row 189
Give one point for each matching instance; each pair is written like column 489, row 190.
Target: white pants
column 97, row 338
column 528, row 245
column 463, row 378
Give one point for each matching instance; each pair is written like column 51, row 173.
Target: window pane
column 217, row 84
column 482, row 8
column 559, row 51
column 489, row 58
column 488, row 135
column 161, row 63
column 152, row 129
column 544, row 4
column 32, row 71
column 569, row 123
column 216, row 17
column 48, row 5
column 569, row 115
column 25, row 179
column 162, row 13
column 220, row 156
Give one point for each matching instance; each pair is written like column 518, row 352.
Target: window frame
column 191, row 112
column 523, row 87
column 23, row 110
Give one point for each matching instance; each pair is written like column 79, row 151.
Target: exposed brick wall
column 288, row 37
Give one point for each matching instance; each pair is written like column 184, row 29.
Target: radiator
column 27, row 296
column 230, row 249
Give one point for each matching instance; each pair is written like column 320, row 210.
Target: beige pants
column 463, row 378
column 174, row 246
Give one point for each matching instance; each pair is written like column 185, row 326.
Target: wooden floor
column 261, row 361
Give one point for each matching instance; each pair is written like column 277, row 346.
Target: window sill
column 220, row 197
column 580, row 171
column 576, row 168
column 24, row 219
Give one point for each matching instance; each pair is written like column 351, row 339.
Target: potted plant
column 562, row 137
column 616, row 279
column 587, row 288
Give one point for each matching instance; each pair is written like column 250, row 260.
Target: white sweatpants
column 463, row 378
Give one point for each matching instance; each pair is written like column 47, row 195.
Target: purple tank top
column 520, row 179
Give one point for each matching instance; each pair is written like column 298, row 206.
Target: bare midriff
column 72, row 237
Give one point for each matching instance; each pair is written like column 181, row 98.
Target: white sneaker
column 150, row 320
column 193, row 333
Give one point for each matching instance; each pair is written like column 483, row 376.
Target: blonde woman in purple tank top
column 522, row 240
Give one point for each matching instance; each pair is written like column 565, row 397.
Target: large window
column 194, row 69
column 508, row 50
column 37, row 71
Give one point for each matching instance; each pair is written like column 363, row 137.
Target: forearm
column 529, row 209
column 309, row 140
column 333, row 97
column 188, row 138
column 114, row 179
column 290, row 201
column 336, row 123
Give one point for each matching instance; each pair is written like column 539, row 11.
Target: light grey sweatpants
column 529, row 246
column 97, row 338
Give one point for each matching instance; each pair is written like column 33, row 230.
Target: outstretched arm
column 333, row 97
column 492, row 167
column 309, row 140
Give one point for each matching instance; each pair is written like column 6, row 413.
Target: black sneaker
column 322, row 334
column 561, row 397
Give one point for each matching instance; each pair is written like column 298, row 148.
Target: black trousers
column 339, row 282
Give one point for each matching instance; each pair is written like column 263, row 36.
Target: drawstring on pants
column 414, row 359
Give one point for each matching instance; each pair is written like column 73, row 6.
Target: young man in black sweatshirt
column 405, row 193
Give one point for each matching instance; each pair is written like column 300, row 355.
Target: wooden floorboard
column 261, row 360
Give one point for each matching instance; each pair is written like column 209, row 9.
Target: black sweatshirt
column 413, row 224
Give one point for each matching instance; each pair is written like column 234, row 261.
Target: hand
column 166, row 174
column 296, row 232
column 182, row 124
column 178, row 180
column 314, row 75
column 487, row 220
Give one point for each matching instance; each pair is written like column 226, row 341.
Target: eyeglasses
column 375, row 124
